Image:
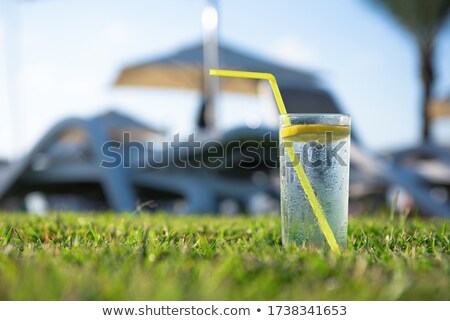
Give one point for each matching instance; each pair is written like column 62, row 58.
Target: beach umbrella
column 184, row 69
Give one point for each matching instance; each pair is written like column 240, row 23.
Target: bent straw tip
column 213, row 72
column 271, row 77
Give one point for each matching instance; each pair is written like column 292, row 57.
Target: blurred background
column 74, row 74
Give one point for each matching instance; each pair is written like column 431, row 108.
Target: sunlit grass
column 162, row 257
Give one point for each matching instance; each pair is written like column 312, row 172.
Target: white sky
column 62, row 57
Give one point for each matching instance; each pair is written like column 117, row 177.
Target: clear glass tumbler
column 321, row 143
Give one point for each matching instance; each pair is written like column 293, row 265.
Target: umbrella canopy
column 184, row 69
column 440, row 108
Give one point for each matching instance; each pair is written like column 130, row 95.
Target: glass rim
column 287, row 120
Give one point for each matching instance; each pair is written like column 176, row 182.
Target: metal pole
column 210, row 21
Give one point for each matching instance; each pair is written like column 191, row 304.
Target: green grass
column 107, row 257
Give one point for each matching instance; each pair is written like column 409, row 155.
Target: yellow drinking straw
column 306, row 185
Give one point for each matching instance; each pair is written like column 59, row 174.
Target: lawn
column 163, row 257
